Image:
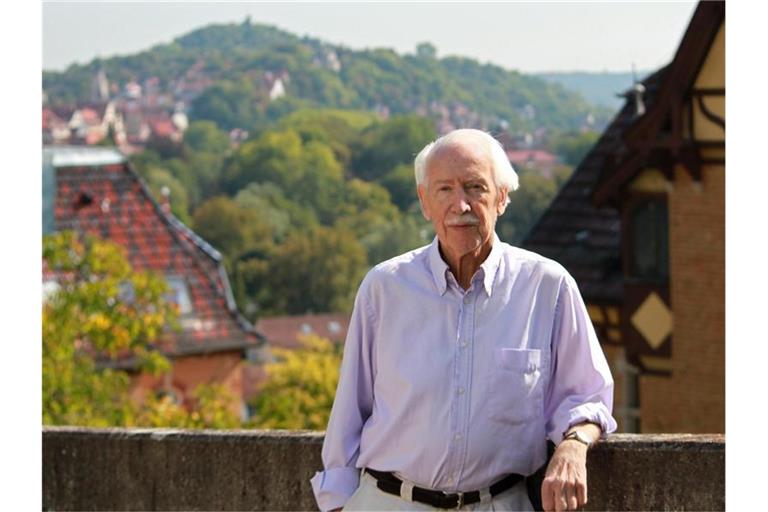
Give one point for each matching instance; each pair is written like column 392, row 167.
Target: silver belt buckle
column 461, row 500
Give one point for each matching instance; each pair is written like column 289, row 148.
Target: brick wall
column 693, row 399
column 225, row 368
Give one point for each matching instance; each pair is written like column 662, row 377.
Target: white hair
column 503, row 174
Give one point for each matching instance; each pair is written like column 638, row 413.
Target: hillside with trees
column 305, row 186
column 235, row 59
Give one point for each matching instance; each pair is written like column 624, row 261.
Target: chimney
column 165, row 200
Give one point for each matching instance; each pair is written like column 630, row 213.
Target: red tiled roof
column 90, row 115
column 531, row 155
column 112, row 202
column 50, row 118
column 284, row 331
column 162, row 127
column 94, row 137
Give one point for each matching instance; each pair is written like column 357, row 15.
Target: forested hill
column 235, row 61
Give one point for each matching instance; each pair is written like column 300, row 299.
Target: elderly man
column 462, row 358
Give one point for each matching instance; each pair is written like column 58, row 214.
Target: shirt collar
column 439, row 268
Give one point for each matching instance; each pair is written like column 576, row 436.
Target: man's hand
column 565, row 482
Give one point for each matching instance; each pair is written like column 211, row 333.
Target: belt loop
column 406, row 490
column 485, row 495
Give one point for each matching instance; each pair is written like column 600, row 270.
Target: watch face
column 580, row 437
column 583, row 438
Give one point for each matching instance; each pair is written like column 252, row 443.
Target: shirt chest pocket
column 516, row 385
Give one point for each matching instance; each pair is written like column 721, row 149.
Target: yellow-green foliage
column 104, row 308
column 212, row 410
column 301, row 386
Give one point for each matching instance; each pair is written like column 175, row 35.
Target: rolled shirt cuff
column 333, row 487
column 592, row 412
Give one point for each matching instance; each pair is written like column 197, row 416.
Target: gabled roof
column 651, row 132
column 284, row 331
column 96, row 191
column 581, row 237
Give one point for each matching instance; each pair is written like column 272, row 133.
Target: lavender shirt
column 455, row 389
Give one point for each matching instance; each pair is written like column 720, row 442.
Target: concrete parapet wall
column 159, row 469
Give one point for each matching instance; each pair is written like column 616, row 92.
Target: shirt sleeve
column 581, row 385
column 351, row 408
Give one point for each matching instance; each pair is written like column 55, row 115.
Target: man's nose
column 460, row 203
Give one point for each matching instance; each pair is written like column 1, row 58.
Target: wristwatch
column 579, row 436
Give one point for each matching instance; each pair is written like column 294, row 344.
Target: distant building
column 538, row 160
column 641, row 227
column 100, row 87
column 132, row 90
column 55, row 129
column 96, row 191
column 286, row 331
column 275, row 84
column 277, row 90
column 88, row 125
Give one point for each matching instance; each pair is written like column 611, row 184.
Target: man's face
column 460, row 197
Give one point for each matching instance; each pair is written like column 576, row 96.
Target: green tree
column 206, row 137
column 573, row 146
column 86, row 317
column 212, row 409
column 274, row 156
column 385, row 145
column 426, row 50
column 528, row 202
column 307, row 171
column 231, row 228
column 103, row 309
column 232, row 103
column 317, row 270
column 386, row 240
column 336, row 128
column 300, row 387
column 282, row 214
column 401, row 184
column 159, row 178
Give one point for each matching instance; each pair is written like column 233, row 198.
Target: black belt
column 389, row 483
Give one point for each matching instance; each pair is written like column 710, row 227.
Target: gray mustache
column 463, row 220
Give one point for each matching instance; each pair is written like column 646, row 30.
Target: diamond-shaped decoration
column 653, row 320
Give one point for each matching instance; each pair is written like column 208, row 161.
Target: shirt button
column 463, row 344
column 467, row 299
column 457, row 436
column 460, row 391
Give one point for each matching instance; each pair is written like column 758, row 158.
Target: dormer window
column 179, row 294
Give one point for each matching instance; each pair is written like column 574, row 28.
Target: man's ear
column 421, row 191
column 501, row 205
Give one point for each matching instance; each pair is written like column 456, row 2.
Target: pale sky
column 526, row 36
